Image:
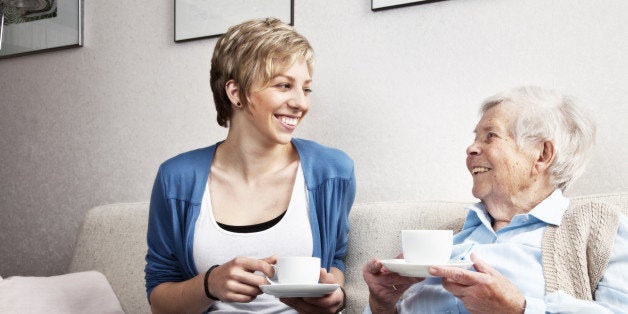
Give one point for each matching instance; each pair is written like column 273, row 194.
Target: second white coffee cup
column 296, row 270
column 427, row 247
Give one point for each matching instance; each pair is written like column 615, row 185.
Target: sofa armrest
column 112, row 240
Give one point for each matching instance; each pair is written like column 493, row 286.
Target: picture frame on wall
column 198, row 19
column 40, row 25
column 377, row 5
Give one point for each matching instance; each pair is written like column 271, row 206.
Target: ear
column 545, row 156
column 233, row 91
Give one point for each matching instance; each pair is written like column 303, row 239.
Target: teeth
column 289, row 121
column 477, row 170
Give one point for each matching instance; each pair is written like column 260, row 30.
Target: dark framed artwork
column 40, row 25
column 197, row 19
column 377, row 5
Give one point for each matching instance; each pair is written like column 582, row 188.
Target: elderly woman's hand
column 484, row 291
column 385, row 287
column 325, row 304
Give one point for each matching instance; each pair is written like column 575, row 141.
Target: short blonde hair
column 250, row 53
column 544, row 114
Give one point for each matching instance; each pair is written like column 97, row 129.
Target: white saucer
column 299, row 290
column 401, row 267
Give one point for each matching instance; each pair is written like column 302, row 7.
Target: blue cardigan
column 178, row 191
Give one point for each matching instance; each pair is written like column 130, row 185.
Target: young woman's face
column 276, row 110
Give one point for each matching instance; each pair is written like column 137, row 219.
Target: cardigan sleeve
column 344, row 207
column 161, row 261
column 330, row 179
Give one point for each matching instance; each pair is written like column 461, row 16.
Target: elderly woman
column 532, row 250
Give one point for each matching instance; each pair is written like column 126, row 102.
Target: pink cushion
column 82, row 292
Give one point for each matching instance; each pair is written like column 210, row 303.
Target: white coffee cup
column 427, row 247
column 296, row 270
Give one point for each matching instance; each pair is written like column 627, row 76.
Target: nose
column 299, row 100
column 473, row 149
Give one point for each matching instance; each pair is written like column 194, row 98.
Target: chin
column 477, row 193
column 284, row 140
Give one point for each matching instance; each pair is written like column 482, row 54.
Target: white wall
column 396, row 89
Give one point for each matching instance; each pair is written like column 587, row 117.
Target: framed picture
column 377, row 5
column 40, row 25
column 196, row 19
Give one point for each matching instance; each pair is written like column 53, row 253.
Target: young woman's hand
column 325, row 304
column 236, row 281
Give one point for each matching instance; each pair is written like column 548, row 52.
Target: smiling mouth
column 477, row 170
column 291, row 121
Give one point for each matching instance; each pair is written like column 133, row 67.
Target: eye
column 307, row 90
column 493, row 136
column 490, row 136
column 283, row 86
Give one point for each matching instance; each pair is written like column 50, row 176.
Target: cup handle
column 274, row 280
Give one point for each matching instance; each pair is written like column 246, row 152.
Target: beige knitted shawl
column 576, row 253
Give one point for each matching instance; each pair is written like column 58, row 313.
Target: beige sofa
column 112, row 241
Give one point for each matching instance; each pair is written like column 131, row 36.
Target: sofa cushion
column 83, row 292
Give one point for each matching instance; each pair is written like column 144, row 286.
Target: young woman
column 221, row 215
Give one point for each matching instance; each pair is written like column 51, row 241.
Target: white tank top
column 291, row 236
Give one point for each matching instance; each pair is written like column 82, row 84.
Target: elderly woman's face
column 500, row 169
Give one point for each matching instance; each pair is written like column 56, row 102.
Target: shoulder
column 319, row 156
column 325, row 155
column 185, row 175
column 591, row 209
column 321, row 163
column 600, row 220
column 189, row 162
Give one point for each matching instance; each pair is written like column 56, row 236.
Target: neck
column 503, row 209
column 253, row 160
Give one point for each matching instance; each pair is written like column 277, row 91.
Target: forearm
column 339, row 276
column 180, row 297
column 378, row 307
column 340, row 280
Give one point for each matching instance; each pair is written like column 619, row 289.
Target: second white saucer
column 403, row 268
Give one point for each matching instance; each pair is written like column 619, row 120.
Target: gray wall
column 398, row 90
